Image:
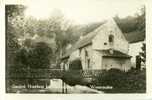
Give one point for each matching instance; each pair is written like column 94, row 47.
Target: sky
column 82, row 11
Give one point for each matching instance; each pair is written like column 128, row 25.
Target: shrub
column 112, row 77
column 72, row 77
column 131, row 81
column 136, row 79
column 75, row 65
column 122, row 82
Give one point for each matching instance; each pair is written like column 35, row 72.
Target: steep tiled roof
column 87, row 39
column 81, row 43
column 90, row 28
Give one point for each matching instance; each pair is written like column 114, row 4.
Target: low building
column 136, row 40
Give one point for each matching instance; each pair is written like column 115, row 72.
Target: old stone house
column 105, row 47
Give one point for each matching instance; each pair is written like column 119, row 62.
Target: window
column 88, row 62
column 111, row 38
column 105, row 43
column 86, row 53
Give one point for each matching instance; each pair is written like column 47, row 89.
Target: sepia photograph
column 75, row 47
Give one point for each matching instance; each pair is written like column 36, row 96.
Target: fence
column 47, row 73
column 39, row 78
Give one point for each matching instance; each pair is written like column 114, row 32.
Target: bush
column 136, row 79
column 112, row 77
column 131, row 81
column 75, row 65
column 72, row 77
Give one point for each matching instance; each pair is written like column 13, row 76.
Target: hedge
column 131, row 81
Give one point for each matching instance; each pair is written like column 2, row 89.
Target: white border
column 4, row 96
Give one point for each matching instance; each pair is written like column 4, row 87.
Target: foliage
column 136, row 80
column 12, row 11
column 141, row 19
column 36, row 57
column 33, row 52
column 75, row 65
column 131, row 81
column 39, row 56
column 72, row 77
column 112, row 77
column 143, row 53
column 55, row 30
column 21, row 59
column 132, row 23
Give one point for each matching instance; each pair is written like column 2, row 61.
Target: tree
column 40, row 56
column 143, row 53
column 132, row 23
column 141, row 20
column 12, row 11
column 75, row 65
column 36, row 55
column 31, row 57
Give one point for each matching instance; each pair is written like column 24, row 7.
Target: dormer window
column 111, row 38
